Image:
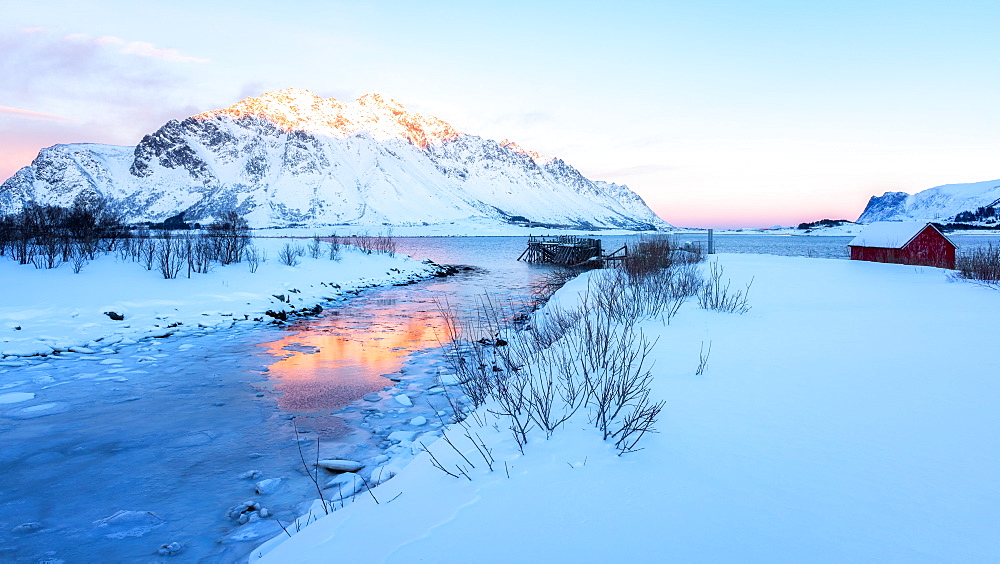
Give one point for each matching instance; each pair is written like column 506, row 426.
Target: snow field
column 847, row 416
column 42, row 311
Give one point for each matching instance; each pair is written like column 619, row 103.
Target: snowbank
column 46, row 310
column 844, row 418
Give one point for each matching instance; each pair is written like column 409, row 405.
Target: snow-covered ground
column 850, row 415
column 42, row 310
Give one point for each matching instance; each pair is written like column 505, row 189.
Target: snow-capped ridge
column 294, row 109
column 940, row 203
column 290, row 157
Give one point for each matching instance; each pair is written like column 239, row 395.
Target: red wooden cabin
column 906, row 242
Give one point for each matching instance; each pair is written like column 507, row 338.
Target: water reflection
column 325, row 363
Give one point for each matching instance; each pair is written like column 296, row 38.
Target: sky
column 719, row 113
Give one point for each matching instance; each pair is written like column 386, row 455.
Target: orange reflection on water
column 333, row 360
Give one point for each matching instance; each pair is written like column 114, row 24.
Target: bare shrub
column 289, row 254
column 169, row 253
column 314, row 247
column 552, row 280
column 717, row 296
column 382, row 244
column 703, row 358
column 981, row 264
column 333, row 252
column 230, row 235
column 654, row 253
column 255, row 257
column 561, row 363
column 199, row 253
column 79, row 259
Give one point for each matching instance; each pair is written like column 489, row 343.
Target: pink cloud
column 28, row 114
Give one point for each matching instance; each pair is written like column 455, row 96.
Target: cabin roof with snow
column 893, row 234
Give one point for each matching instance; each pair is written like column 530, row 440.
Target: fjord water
column 125, row 450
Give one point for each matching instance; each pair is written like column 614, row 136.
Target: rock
column 25, row 528
column 268, row 486
column 171, row 549
column 115, row 316
column 418, row 421
column 338, row 465
column 404, row 400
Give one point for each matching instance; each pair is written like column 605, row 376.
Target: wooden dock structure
column 569, row 250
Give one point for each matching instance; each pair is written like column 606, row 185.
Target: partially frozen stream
column 109, row 455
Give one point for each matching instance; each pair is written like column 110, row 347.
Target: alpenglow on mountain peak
column 295, row 109
column 290, row 157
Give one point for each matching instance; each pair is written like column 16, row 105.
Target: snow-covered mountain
column 291, row 157
column 941, row 203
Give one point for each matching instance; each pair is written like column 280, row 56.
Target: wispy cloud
column 108, row 97
column 140, row 49
column 28, row 114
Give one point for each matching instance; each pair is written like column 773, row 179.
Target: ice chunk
column 404, row 400
column 26, row 349
column 400, row 436
column 15, row 397
column 39, row 410
column 23, row 528
column 124, row 524
column 338, row 465
column 268, row 486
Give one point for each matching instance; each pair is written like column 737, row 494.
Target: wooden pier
column 569, row 250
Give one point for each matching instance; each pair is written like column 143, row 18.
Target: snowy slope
column 941, row 203
column 795, row 445
column 291, row 157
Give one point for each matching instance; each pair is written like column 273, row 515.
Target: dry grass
column 980, row 265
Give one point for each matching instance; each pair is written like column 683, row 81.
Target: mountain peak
column 295, row 109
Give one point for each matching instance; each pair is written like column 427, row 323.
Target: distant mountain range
column 293, row 158
column 972, row 202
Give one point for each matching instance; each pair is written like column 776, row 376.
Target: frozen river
column 108, row 455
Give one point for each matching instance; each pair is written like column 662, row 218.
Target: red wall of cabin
column 928, row 248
